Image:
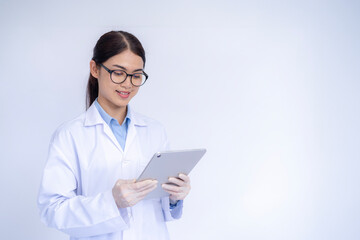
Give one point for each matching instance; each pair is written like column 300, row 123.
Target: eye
column 119, row 73
column 137, row 76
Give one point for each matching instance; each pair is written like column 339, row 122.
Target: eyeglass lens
column 119, row 76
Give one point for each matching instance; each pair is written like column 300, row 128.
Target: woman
column 88, row 188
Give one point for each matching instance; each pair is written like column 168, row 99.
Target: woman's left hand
column 181, row 190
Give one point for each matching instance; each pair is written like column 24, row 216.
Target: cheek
column 135, row 92
column 104, row 86
column 101, row 88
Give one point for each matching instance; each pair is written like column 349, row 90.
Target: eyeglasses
column 120, row 76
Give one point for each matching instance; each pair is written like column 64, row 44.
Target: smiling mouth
column 123, row 94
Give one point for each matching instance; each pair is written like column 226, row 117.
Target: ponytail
column 92, row 91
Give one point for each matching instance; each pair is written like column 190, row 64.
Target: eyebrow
column 124, row 68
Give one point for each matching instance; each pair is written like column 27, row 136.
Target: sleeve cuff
column 171, row 214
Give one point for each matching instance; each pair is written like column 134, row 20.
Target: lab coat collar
column 93, row 117
column 135, row 118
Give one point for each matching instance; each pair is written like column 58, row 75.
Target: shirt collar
column 93, row 117
column 107, row 118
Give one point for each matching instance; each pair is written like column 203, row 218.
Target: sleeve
column 176, row 212
column 62, row 208
column 171, row 214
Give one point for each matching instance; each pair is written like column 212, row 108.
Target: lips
column 123, row 94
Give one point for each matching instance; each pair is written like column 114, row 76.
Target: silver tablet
column 169, row 164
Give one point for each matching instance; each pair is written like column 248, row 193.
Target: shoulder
column 141, row 120
column 68, row 128
column 153, row 126
column 151, row 131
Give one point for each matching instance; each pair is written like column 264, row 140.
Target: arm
column 171, row 214
column 60, row 205
column 178, row 190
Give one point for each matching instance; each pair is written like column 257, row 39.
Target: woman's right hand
column 129, row 192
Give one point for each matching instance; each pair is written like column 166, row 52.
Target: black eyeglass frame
column 127, row 75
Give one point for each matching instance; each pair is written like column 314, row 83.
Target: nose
column 127, row 83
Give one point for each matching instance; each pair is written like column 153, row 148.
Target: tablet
column 169, row 164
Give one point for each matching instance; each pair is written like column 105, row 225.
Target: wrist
column 173, row 202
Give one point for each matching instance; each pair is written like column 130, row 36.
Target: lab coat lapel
column 130, row 136
column 93, row 117
column 111, row 135
column 135, row 121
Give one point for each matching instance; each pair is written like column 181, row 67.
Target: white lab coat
column 84, row 162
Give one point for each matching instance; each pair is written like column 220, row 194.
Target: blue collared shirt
column 120, row 131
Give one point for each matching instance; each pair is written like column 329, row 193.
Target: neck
column 119, row 113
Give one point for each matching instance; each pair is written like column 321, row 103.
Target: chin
column 121, row 104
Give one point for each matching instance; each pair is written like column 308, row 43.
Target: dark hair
column 109, row 45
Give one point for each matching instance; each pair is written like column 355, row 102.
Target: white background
column 270, row 88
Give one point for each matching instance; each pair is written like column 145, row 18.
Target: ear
column 94, row 69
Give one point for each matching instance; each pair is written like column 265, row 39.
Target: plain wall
column 270, row 88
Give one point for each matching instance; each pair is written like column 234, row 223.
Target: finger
column 141, row 195
column 143, row 184
column 171, row 188
column 184, row 177
column 138, row 196
column 146, row 188
column 124, row 181
column 175, row 196
column 177, row 181
column 172, row 192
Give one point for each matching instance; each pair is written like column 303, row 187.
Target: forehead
column 126, row 59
